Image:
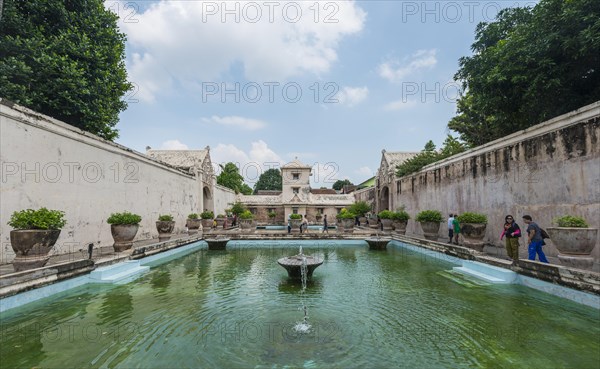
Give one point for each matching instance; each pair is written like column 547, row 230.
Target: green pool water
column 237, row 309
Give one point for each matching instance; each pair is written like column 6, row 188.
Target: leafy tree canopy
column 269, row 180
column 428, row 155
column 230, row 177
column 340, row 183
column 64, row 59
column 529, row 65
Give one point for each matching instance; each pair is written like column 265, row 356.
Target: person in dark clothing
column 534, row 239
column 512, row 232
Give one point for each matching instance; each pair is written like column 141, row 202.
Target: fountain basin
column 293, row 265
column 378, row 243
column 217, row 243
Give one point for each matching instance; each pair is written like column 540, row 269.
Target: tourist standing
column 289, row 223
column 512, row 232
column 450, row 227
column 305, row 223
column 534, row 239
column 325, row 228
column 456, row 229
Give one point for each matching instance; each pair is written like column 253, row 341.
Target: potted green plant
column 295, row 222
column 386, row 220
column 123, row 227
column 246, row 221
column 400, row 220
column 360, row 208
column 272, row 215
column 35, row 233
column 207, row 219
column 193, row 223
column 574, row 239
column 346, row 219
column 164, row 226
column 430, row 223
column 472, row 228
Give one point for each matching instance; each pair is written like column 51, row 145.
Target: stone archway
column 207, row 199
column 384, row 199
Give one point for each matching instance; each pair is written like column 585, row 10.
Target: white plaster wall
column 223, row 198
column 552, row 169
column 46, row 163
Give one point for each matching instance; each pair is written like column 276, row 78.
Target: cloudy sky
column 329, row 82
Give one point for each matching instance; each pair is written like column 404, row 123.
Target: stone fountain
column 217, row 243
column 378, row 243
column 295, row 264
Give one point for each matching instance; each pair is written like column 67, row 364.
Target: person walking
column 325, row 229
column 534, row 239
column 456, row 229
column 512, row 232
column 450, row 227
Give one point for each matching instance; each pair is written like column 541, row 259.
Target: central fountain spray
column 295, row 264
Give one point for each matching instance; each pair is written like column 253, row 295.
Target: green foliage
column 360, row 208
column 272, row 214
column 246, row 214
column 401, row 216
column 345, row 214
column 271, row 180
column 230, row 177
column 429, row 216
column 193, row 216
column 207, row 215
column 429, row 155
column 295, row 216
column 340, row 183
column 65, row 59
column 220, row 216
column 529, row 65
column 124, row 218
column 238, row 208
column 37, row 219
column 165, row 218
column 468, row 217
column 385, row 214
column 571, row 221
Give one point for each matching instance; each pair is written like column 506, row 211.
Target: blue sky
column 332, row 83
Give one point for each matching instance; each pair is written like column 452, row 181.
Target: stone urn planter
column 164, row 228
column 247, row 225
column 399, row 226
column 363, row 221
column 574, row 245
column 207, row 224
column 348, row 225
column 32, row 247
column 373, row 223
column 123, row 235
column 431, row 230
column 296, row 225
column 473, row 234
column 193, row 225
column 387, row 225
column 220, row 222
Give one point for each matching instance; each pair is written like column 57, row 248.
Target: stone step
column 486, row 272
column 118, row 273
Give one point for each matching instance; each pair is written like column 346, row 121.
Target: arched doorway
column 384, row 199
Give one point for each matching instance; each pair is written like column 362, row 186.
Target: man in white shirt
column 450, row 227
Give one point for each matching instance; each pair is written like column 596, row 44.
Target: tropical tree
column 340, row 183
column 230, row 177
column 529, row 65
column 271, row 179
column 428, row 155
column 65, row 59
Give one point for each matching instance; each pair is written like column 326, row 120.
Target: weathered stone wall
column 46, row 163
column 367, row 195
column 223, row 197
column 548, row 170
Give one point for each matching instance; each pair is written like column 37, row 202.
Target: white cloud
column 185, row 41
column 400, row 105
column 173, row 145
column 364, row 172
column 256, row 161
column 351, row 96
column 236, row 122
column 396, row 70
